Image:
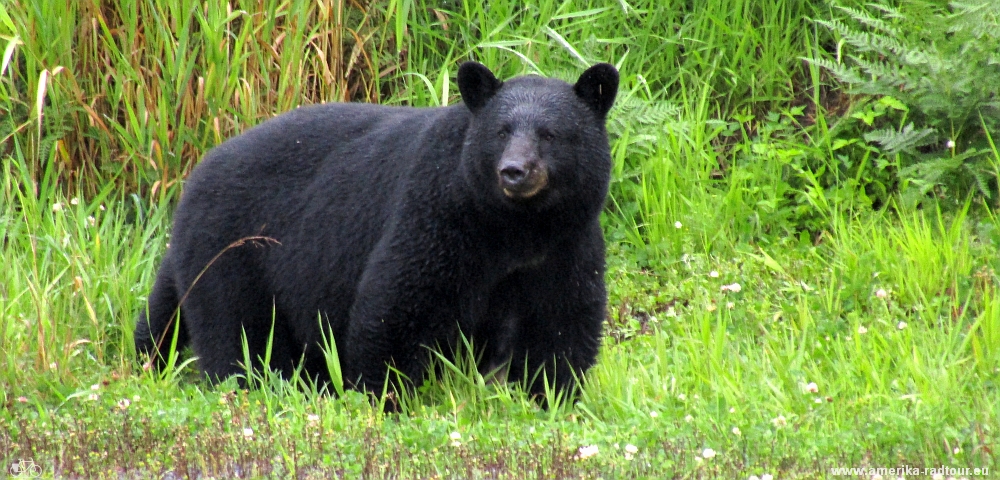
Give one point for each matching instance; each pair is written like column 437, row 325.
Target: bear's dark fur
column 401, row 227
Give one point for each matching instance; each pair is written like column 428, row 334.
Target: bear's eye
column 503, row 133
column 548, row 136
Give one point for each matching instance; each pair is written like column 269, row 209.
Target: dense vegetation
column 802, row 235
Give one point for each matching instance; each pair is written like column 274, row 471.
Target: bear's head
column 536, row 143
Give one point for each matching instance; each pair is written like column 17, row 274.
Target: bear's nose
column 513, row 174
column 522, row 180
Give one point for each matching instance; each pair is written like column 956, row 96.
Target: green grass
column 727, row 171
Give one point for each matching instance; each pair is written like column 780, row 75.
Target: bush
column 929, row 81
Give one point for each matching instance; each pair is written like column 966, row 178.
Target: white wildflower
column 779, row 421
column 587, row 451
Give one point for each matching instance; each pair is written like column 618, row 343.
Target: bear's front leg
column 557, row 316
column 404, row 306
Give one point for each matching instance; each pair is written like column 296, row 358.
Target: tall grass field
column 803, row 237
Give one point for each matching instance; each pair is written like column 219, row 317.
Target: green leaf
column 5, row 19
column 893, row 103
column 771, row 264
column 9, row 53
column 867, row 116
column 841, row 143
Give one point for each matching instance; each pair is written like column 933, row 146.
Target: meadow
column 802, row 237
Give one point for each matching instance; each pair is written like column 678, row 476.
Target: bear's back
column 293, row 177
column 352, row 154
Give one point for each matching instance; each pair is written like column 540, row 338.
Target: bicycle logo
column 25, row 468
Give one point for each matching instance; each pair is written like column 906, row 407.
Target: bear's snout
column 521, row 172
column 512, row 174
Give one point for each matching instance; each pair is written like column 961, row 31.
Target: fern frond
column 884, row 72
column 890, row 11
column 980, row 176
column 929, row 172
column 907, row 139
column 842, row 72
column 864, row 18
column 979, row 18
column 643, row 121
column 865, row 41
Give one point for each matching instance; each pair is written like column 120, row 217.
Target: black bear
column 402, row 228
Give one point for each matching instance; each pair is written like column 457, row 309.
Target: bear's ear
column 597, row 87
column 477, row 84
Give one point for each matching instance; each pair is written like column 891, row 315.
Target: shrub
column 929, row 84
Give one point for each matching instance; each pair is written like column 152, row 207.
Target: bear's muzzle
column 521, row 172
